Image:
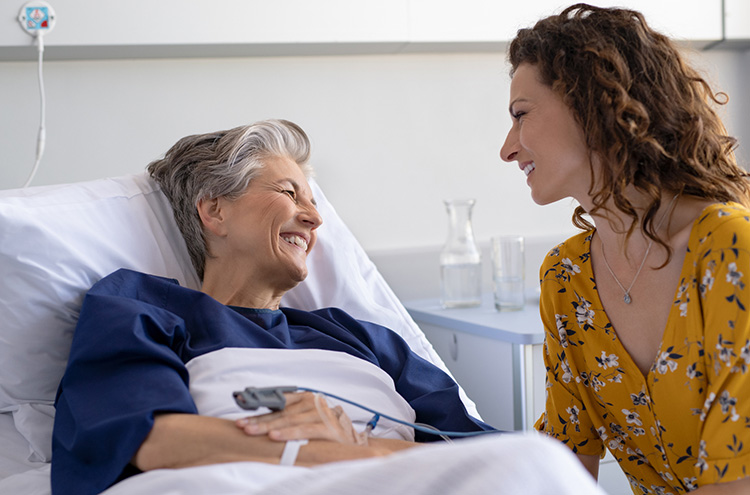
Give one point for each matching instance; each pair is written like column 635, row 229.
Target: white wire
column 42, row 112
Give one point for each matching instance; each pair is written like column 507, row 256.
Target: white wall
column 393, row 134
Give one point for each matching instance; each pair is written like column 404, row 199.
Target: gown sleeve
column 724, row 267
column 123, row 369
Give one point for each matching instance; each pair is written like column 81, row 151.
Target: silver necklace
column 626, row 292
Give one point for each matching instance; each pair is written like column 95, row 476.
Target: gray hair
column 222, row 164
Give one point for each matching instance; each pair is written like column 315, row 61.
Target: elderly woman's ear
column 211, row 215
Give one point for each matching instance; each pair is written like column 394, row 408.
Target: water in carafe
column 460, row 259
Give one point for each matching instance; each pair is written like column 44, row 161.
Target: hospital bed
column 56, row 241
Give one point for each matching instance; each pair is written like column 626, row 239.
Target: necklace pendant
column 627, row 298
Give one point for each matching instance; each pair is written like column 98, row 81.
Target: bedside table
column 496, row 356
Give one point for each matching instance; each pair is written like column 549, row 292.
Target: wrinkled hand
column 306, row 416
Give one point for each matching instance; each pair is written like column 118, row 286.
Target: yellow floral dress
column 687, row 422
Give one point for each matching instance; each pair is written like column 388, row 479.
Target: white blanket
column 526, row 464
column 494, row 464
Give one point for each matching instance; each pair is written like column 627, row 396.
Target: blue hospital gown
column 135, row 334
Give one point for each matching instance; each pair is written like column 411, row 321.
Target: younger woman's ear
column 211, row 215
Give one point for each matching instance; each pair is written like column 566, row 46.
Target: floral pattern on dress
column 685, row 423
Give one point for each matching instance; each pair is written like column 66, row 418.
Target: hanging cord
column 42, row 111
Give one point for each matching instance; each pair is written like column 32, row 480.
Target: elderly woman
column 647, row 332
column 142, row 389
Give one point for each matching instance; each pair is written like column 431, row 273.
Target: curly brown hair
column 644, row 111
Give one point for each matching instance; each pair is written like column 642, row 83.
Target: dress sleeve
column 565, row 417
column 724, row 267
column 123, row 368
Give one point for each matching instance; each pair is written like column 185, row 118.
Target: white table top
column 516, row 327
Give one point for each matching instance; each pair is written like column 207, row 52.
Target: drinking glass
column 508, row 272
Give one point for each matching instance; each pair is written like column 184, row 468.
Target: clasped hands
column 306, row 416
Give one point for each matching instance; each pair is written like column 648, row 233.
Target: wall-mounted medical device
column 38, row 18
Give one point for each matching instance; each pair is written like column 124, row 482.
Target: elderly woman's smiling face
column 268, row 231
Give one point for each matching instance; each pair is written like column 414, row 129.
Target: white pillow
column 57, row 241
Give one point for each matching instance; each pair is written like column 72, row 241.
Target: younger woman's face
column 546, row 141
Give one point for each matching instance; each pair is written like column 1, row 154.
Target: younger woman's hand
column 306, row 416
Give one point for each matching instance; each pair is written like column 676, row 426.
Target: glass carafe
column 460, row 259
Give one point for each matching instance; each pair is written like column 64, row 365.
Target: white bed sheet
column 15, row 450
column 18, row 475
column 509, row 464
column 527, row 464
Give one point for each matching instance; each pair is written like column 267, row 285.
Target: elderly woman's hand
column 305, row 416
